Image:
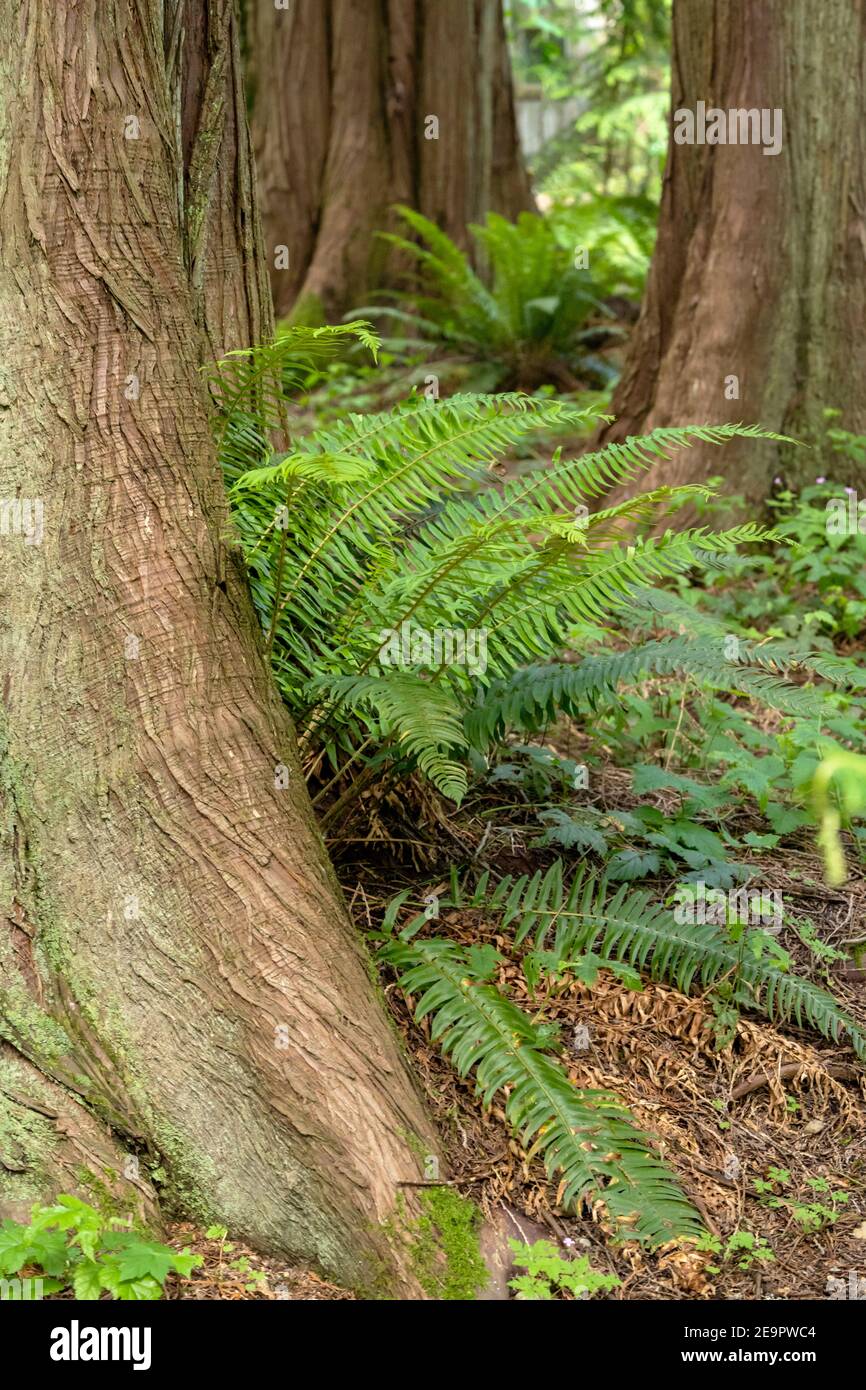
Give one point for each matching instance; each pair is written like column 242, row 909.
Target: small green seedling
column 742, row 1249
column 549, row 1273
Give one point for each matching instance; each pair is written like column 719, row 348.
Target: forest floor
column 774, row 1098
column 232, row 1272
column 770, row 1099
column 779, row 1099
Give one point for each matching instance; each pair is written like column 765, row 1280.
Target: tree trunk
column 756, row 303
column 346, row 96
column 176, row 960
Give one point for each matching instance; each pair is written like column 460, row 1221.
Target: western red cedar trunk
column 344, row 96
column 180, row 979
column 759, row 272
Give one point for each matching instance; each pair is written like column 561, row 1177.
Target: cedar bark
column 760, row 266
column 178, row 972
column 340, row 93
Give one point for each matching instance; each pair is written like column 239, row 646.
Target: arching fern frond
column 569, row 917
column 533, row 696
column 585, row 1138
column 423, row 722
column 380, row 520
column 249, row 387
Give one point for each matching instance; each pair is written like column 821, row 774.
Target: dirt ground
column 774, row 1098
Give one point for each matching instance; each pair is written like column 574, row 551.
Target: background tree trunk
column 760, row 267
column 175, row 957
column 341, row 93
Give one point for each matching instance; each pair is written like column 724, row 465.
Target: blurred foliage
column 613, row 58
column 540, row 316
column 617, row 233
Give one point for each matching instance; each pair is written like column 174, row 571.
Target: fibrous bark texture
column 756, row 303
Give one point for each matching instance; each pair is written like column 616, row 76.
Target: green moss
column 25, row 1025
column 100, row 1195
column 378, row 1284
column 444, row 1245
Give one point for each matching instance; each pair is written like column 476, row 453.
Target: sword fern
column 586, row 1138
column 398, row 521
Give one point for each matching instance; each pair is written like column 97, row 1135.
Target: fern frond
column 249, row 387
column 585, row 1136
column 532, row 313
column 409, row 459
column 533, row 696
column 380, row 520
column 622, row 923
column 423, row 721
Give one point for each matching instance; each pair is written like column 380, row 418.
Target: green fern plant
column 618, row 232
column 528, row 329
column 576, row 927
column 564, row 920
column 533, row 696
column 250, row 389
column 586, row 1138
column 367, row 533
